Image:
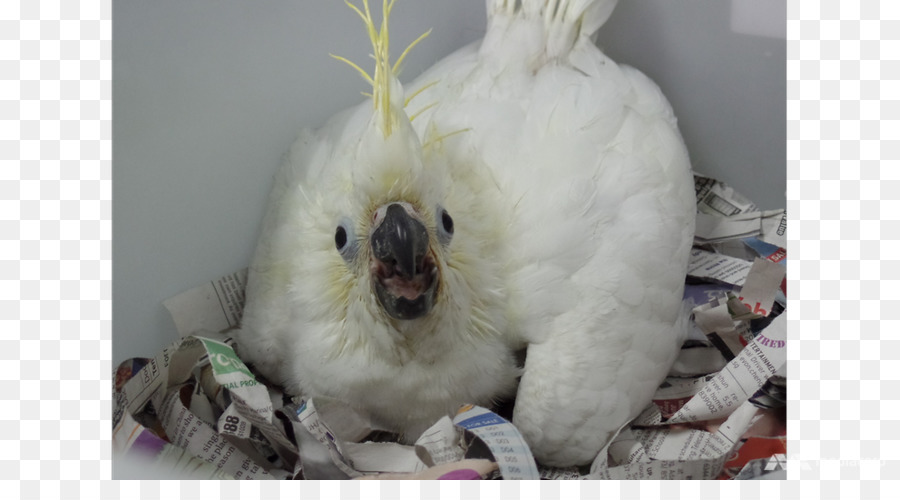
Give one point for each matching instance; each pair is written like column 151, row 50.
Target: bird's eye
column 447, row 222
column 445, row 226
column 345, row 241
column 340, row 238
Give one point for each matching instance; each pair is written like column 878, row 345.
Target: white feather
column 589, row 154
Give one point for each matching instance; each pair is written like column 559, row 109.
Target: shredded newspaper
column 196, row 410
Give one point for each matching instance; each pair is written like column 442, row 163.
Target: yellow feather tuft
column 406, row 51
column 384, row 73
column 419, row 112
column 416, row 93
column 435, row 140
column 354, row 66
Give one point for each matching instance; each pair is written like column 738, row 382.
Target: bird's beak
column 403, row 269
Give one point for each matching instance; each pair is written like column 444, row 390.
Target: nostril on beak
column 400, row 242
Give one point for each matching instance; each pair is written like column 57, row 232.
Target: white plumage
column 571, row 201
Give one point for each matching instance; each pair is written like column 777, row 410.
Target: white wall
column 727, row 86
column 208, row 94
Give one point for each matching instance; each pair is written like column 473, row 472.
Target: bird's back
column 598, row 205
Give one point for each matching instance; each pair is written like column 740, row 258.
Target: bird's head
column 394, row 235
column 396, row 243
column 384, row 253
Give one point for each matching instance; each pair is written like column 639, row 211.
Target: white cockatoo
column 526, row 191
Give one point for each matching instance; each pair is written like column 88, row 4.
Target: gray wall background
column 208, row 95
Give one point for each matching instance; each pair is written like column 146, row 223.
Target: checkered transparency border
column 843, row 197
column 55, row 269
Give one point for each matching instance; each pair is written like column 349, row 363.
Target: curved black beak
column 400, row 242
column 405, row 276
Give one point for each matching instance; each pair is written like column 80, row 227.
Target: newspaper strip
column 339, row 428
column 775, row 254
column 232, row 423
column 438, row 447
column 440, row 444
column 215, row 306
column 696, row 361
column 369, row 458
column 655, row 469
column 187, row 431
column 140, row 388
column 761, row 285
column 754, row 469
column 691, row 444
column 328, row 456
column 768, row 226
column 464, row 469
column 662, row 470
column 315, row 460
column 723, row 318
column 627, row 449
column 250, row 402
column 345, row 423
column 774, row 228
column 249, row 397
column 728, row 340
column 714, row 317
column 665, row 453
column 676, row 391
column 184, row 360
column 144, row 455
column 717, row 198
column 250, row 414
column 704, row 293
column 174, row 383
column 559, row 473
column 715, row 228
column 719, row 322
column 767, row 251
column 718, row 267
column 509, row 448
column 309, row 417
column 767, row 438
column 201, row 407
column 724, row 321
column 239, row 422
column 737, row 382
column 129, row 434
column 212, row 389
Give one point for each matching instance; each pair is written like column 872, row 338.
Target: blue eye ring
column 447, row 222
column 445, row 226
column 345, row 240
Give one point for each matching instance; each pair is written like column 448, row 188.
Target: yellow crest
column 384, row 79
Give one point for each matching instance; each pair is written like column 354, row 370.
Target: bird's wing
column 630, row 214
column 600, row 199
